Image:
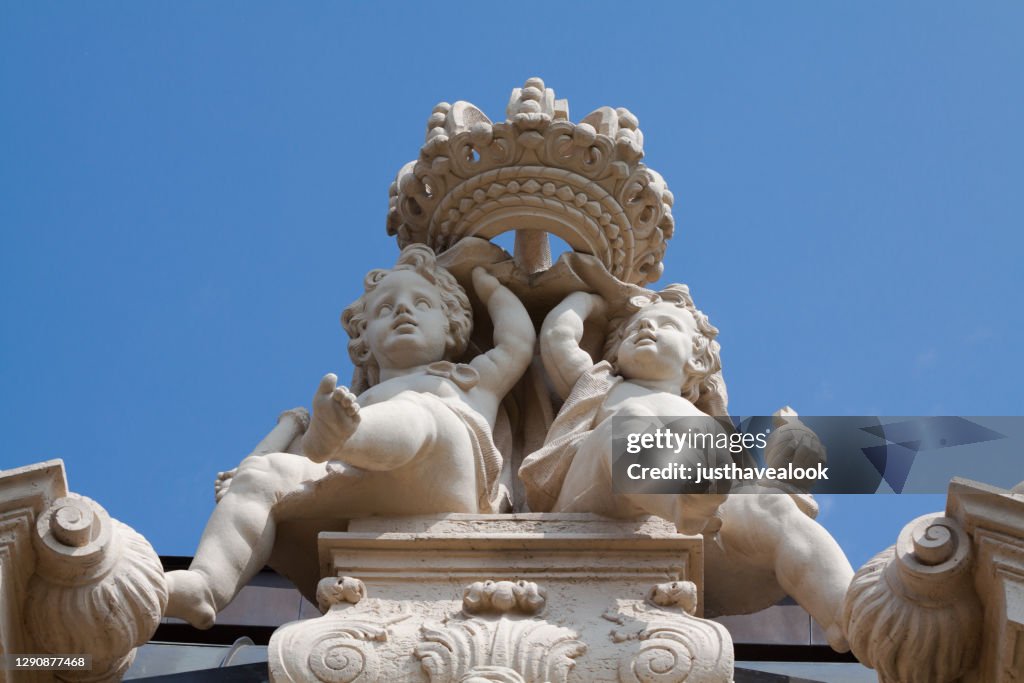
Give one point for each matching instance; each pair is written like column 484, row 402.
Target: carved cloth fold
column 485, row 454
column 543, row 471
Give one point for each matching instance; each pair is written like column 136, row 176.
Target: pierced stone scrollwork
column 911, row 612
column 98, row 588
column 537, row 171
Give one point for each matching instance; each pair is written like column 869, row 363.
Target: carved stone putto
column 462, row 414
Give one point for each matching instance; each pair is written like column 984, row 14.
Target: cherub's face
column 406, row 323
column 657, row 343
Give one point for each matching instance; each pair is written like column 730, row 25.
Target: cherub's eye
column 384, row 310
column 671, row 324
column 423, row 303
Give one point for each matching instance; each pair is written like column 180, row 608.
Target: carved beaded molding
column 537, row 170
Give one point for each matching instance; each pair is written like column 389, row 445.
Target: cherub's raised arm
column 514, row 336
column 560, row 337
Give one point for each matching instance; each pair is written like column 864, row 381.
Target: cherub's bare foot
column 223, row 483
column 335, row 418
column 189, row 598
column 836, row 639
column 697, row 512
column 793, row 442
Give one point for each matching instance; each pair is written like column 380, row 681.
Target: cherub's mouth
column 404, row 324
column 646, row 336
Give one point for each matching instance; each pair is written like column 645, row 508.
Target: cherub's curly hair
column 420, row 259
column 704, row 386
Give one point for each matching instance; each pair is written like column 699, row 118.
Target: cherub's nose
column 402, row 307
column 645, row 324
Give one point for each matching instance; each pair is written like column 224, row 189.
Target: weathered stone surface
column 945, row 603
column 75, row 581
column 529, row 598
column 25, row 493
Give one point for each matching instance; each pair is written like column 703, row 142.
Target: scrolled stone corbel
column 911, row 612
column 99, row 588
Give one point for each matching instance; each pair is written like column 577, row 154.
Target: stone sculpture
column 396, row 505
column 509, row 598
column 406, row 329
column 72, row 579
column 944, row 604
column 662, row 359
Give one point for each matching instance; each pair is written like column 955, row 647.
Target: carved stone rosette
column 418, row 614
column 537, row 172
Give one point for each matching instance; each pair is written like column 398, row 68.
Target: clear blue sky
column 190, row 194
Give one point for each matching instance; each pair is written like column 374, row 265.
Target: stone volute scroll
column 912, row 612
column 99, row 588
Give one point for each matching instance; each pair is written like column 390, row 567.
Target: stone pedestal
column 510, row 598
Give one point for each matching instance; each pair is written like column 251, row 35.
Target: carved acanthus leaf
column 493, row 650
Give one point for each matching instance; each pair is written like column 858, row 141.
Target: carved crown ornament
column 536, row 172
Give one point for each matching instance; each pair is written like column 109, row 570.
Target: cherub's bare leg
column 769, row 531
column 588, row 487
column 238, row 537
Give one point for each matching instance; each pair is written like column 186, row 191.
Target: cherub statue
column 662, row 359
column 417, row 439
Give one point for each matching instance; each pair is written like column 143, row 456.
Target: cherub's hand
column 615, row 293
column 588, row 305
column 220, row 487
column 598, row 306
column 485, row 284
column 793, row 442
column 695, row 512
column 335, row 418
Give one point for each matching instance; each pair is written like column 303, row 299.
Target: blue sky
column 190, row 194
